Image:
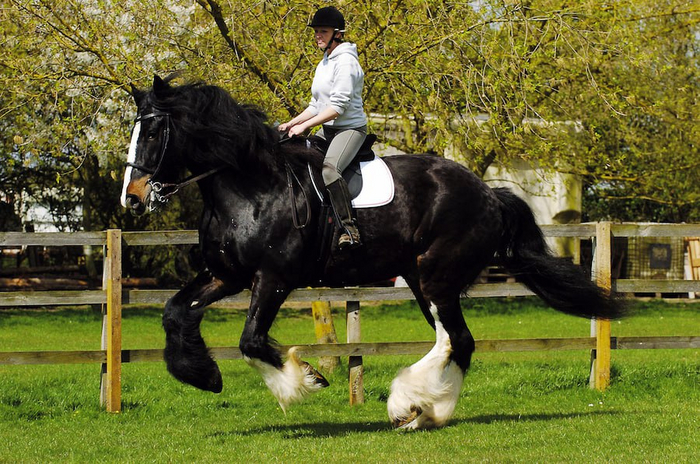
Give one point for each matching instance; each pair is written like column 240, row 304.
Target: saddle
column 370, row 183
column 353, row 173
column 377, row 191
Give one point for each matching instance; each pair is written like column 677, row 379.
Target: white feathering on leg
column 290, row 384
column 425, row 394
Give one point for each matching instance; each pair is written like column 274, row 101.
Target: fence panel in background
column 112, row 296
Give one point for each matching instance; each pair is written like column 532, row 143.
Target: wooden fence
column 113, row 296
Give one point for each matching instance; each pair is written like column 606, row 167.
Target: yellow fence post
column 110, row 385
column 603, row 276
column 356, row 381
column 325, row 333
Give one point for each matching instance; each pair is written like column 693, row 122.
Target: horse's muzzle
column 135, row 205
column 138, row 196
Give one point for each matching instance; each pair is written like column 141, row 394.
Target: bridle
column 158, row 187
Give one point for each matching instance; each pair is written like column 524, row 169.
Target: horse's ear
column 160, row 87
column 137, row 94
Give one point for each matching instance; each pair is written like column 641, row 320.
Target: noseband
column 157, row 187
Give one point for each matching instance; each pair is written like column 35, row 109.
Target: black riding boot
column 340, row 201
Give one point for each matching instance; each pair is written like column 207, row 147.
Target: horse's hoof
column 319, row 379
column 208, row 379
column 216, row 383
column 409, row 421
column 200, row 372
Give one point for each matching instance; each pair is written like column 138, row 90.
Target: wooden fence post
column 325, row 333
column 603, row 277
column 356, row 381
column 110, row 382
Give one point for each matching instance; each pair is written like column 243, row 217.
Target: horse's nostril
column 135, row 205
column 131, row 201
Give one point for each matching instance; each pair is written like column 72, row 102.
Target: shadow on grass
column 494, row 418
column 309, row 430
column 329, row 430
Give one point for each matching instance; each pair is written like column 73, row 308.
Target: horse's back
column 441, row 183
column 433, row 170
column 441, row 212
column 436, row 197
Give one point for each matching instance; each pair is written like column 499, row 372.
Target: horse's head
column 153, row 162
column 195, row 127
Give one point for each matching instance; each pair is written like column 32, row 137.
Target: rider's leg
column 341, row 151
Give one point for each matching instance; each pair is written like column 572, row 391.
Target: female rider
column 336, row 104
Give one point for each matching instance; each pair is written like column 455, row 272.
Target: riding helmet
column 328, row 16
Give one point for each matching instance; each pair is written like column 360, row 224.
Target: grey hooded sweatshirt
column 338, row 84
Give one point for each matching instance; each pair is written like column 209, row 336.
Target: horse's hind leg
column 425, row 394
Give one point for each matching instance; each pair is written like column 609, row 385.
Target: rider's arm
column 302, row 117
column 324, row 116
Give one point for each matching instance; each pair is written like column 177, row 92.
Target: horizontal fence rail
column 113, row 296
column 360, row 349
column 497, row 289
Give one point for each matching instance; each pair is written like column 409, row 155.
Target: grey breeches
column 343, row 147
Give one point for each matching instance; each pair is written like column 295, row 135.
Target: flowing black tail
column 558, row 282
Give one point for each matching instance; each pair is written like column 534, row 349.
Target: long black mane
column 224, row 131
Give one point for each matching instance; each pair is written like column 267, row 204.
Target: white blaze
column 131, row 157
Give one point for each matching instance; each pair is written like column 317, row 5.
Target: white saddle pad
column 377, row 184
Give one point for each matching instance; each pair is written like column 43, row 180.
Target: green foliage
column 647, row 147
column 608, row 92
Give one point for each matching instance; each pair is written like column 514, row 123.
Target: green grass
column 515, row 407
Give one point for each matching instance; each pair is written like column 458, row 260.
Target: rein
column 159, row 186
column 291, row 177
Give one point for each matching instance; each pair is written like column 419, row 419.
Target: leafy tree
column 580, row 87
column 607, row 91
column 646, row 149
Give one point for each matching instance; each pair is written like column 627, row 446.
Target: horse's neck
column 242, row 186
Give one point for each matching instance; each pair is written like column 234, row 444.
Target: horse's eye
column 152, row 134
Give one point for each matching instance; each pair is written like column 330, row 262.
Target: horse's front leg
column 292, row 380
column 186, row 355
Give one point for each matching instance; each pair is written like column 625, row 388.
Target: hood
column 343, row 48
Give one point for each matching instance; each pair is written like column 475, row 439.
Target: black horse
column 442, row 228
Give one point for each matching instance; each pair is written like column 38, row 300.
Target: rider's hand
column 283, row 127
column 299, row 129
